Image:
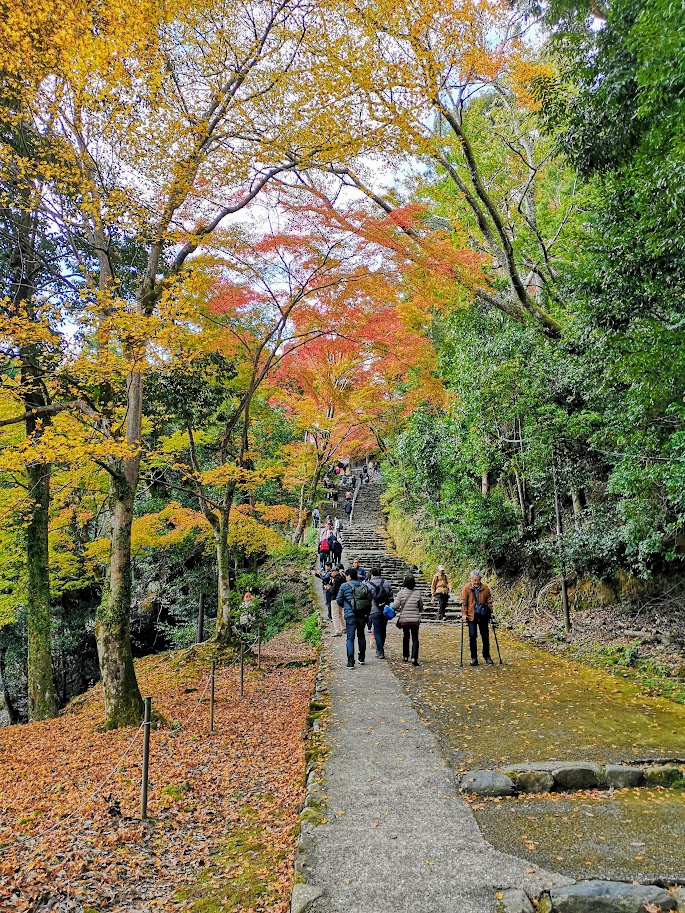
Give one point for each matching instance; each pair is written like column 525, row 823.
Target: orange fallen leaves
column 56, row 844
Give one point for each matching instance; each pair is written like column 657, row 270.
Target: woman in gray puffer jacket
column 408, row 604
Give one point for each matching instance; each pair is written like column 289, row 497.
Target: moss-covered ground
column 536, row 706
column 540, row 707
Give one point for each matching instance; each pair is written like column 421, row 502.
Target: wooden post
column 146, row 757
column 211, row 697
column 242, row 667
column 200, row 633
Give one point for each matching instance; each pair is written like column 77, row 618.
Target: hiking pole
column 461, row 658
column 494, row 631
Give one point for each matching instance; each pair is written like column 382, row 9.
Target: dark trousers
column 413, row 631
column 443, row 599
column 380, row 629
column 482, row 625
column 328, row 596
column 355, row 626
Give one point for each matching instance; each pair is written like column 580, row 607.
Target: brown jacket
column 440, row 583
column 469, row 600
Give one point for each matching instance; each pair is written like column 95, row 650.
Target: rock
column 610, row 897
column 516, row 901
column 582, row 775
column 531, row 781
column 619, row 777
column 662, row 775
column 303, row 896
column 487, row 783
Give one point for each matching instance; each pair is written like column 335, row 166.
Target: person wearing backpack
column 476, row 602
column 381, row 596
column 440, row 587
column 316, row 517
column 348, row 509
column 324, row 551
column 408, row 604
column 354, row 599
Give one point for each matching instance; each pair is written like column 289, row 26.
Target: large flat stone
column 487, row 783
column 531, row 781
column 662, row 775
column 582, row 775
column 618, row 776
column 610, row 897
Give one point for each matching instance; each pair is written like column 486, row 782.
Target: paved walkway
column 399, row 837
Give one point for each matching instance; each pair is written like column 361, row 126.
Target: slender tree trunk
column 41, row 688
column 485, row 483
column 224, row 633
column 123, row 703
column 303, row 519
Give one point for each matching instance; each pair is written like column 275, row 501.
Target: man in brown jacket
column 440, row 587
column 476, row 593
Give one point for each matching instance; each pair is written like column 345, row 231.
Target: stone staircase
column 367, row 539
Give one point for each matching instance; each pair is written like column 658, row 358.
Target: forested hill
column 239, row 246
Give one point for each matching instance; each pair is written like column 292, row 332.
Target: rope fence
column 145, row 727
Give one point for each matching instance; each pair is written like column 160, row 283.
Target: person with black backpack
column 381, row 596
column 354, row 599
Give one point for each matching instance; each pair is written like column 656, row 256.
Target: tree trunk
column 303, row 519
column 224, row 633
column 485, row 483
column 41, row 688
column 123, row 703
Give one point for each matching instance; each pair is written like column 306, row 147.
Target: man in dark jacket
column 356, row 612
column 337, row 580
column 381, row 595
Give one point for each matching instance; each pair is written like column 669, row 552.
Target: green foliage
column 284, row 612
column 311, row 630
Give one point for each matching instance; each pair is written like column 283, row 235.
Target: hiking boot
column 380, row 655
column 474, row 662
column 350, row 665
column 489, row 661
column 361, row 662
column 405, row 659
column 415, row 662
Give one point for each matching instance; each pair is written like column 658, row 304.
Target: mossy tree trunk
column 41, row 688
column 123, row 702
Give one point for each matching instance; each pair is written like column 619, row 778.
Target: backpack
column 361, row 600
column 324, row 546
column 384, row 595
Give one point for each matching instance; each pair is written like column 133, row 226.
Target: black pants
column 412, row 630
column 482, row 625
column 443, row 599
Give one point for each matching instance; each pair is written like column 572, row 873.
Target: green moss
column 634, row 834
column 176, row 792
column 238, row 878
column 536, row 706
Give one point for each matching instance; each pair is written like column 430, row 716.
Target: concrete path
column 398, row 836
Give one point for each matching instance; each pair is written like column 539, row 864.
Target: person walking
column 440, row 587
column 316, row 517
column 476, row 609
column 337, row 526
column 361, row 571
column 325, row 578
column 381, row 596
column 408, row 604
column 337, row 550
column 348, row 511
column 355, row 601
column 337, row 616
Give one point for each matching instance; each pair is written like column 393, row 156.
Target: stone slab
column 487, row 783
column 620, row 776
column 610, row 897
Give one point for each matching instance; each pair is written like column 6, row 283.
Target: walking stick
column 461, row 658
column 494, row 631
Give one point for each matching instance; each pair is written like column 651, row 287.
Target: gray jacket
column 408, row 605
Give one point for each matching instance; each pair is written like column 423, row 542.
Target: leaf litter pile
column 223, row 807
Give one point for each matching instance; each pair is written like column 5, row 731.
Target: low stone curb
column 304, row 894
column 594, row 896
column 567, row 776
